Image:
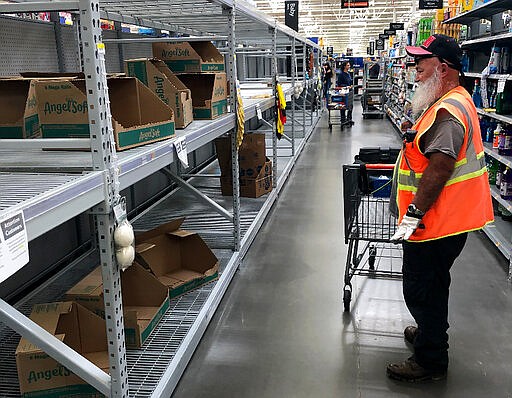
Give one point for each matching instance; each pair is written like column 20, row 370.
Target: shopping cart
column 339, row 102
column 369, row 225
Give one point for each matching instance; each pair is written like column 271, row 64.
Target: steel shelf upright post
column 305, row 90
column 104, row 157
column 294, row 77
column 232, row 76
column 273, row 68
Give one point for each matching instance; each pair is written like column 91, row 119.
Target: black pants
column 426, row 284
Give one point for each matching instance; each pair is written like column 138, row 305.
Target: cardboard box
column 13, row 99
column 250, row 187
column 209, row 94
column 58, row 109
column 190, row 57
column 159, row 78
column 42, row 376
column 255, row 169
column 251, row 154
column 145, row 301
column 138, row 115
column 180, row 259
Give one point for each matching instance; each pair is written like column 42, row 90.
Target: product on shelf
column 190, row 57
column 145, row 300
column 159, row 78
column 477, row 97
column 209, row 94
column 497, row 135
column 179, row 259
column 506, row 184
column 493, row 167
column 505, row 214
column 85, row 332
column 505, row 142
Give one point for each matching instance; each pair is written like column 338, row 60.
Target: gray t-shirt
column 446, row 135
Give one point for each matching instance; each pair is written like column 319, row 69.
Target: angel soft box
column 180, row 259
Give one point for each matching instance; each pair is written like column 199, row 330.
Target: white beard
column 426, row 93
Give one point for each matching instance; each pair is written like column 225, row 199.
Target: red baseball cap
column 441, row 46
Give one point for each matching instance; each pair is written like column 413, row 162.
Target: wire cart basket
column 369, row 225
column 339, row 103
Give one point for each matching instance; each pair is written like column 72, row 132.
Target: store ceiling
column 345, row 28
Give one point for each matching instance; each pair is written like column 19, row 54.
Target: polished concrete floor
column 280, row 331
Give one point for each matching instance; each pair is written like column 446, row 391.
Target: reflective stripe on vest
column 470, row 166
column 465, row 203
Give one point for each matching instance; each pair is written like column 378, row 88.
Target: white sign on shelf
column 180, row 144
column 13, row 244
column 501, row 84
column 258, row 112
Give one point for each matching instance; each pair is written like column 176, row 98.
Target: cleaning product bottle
column 496, row 139
column 477, row 97
column 465, row 61
column 505, row 142
column 506, row 184
column 494, row 61
column 492, row 168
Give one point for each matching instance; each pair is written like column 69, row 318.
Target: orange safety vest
column 465, row 202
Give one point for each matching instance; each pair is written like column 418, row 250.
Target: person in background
column 327, row 80
column 374, row 71
column 345, row 80
column 441, row 192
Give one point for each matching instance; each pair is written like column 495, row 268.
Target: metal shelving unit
column 55, row 187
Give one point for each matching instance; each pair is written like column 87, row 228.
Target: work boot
column 411, row 372
column 410, row 334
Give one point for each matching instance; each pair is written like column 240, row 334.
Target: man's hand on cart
column 409, row 224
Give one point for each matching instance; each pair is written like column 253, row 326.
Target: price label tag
column 13, row 244
column 120, row 212
column 258, row 112
column 501, row 84
column 181, row 150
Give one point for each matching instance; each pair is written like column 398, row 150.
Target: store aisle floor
column 280, row 331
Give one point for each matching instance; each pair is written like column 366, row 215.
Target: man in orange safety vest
column 440, row 193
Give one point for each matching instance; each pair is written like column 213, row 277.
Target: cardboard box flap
column 153, row 294
column 207, row 51
column 181, row 233
column 154, row 109
column 13, row 101
column 91, row 285
column 47, row 316
column 100, row 359
column 196, row 255
column 142, row 247
column 169, row 281
column 143, row 313
column 185, row 275
column 201, row 86
column 162, row 68
column 26, row 347
column 164, row 256
column 93, row 334
column 71, row 323
column 162, row 229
